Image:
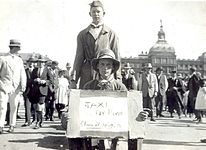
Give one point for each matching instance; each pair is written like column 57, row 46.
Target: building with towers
column 163, row 54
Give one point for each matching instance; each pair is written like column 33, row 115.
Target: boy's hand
column 143, row 115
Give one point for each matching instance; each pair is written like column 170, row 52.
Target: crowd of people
column 169, row 92
column 45, row 87
column 41, row 83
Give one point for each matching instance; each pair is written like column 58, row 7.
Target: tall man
column 17, row 78
column 90, row 41
column 193, row 87
column 28, row 92
column 162, row 88
column 149, row 87
column 175, row 93
column 52, row 91
column 41, row 77
column 5, row 87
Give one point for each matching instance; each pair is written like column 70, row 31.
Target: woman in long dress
column 200, row 104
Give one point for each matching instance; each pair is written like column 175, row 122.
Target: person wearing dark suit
column 28, row 92
column 174, row 94
column 193, row 87
column 52, row 90
column 41, row 80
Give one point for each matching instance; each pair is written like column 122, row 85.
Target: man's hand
column 42, row 81
column 155, row 94
column 37, row 79
column 73, row 84
column 143, row 115
column 175, row 88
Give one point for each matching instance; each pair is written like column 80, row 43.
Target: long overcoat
column 175, row 96
column 88, row 46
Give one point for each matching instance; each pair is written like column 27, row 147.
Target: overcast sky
column 50, row 27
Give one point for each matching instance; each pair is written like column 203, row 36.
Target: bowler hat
column 106, row 54
column 193, row 69
column 159, row 69
column 68, row 65
column 41, row 59
column 48, row 63
column 173, row 71
column 148, row 65
column 127, row 66
column 32, row 59
column 55, row 63
column 96, row 4
column 14, row 43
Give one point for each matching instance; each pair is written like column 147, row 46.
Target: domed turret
column 161, row 45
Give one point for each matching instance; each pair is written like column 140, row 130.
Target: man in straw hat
column 90, row 41
column 128, row 79
column 149, row 87
column 16, row 85
column 41, row 77
column 161, row 94
column 106, row 65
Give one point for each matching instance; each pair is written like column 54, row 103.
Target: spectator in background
column 161, row 94
column 175, row 93
column 200, row 104
column 5, row 87
column 52, row 91
column 128, row 78
column 90, row 41
column 41, row 77
column 149, row 87
column 67, row 72
column 28, row 92
column 62, row 93
column 18, row 81
column 193, row 87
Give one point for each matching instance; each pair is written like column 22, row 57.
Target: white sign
column 104, row 114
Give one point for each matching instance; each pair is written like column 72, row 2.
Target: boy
column 106, row 66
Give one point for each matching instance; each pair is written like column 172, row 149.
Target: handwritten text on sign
column 103, row 114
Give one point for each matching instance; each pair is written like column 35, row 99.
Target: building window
column 171, row 61
column 163, row 61
column 158, row 61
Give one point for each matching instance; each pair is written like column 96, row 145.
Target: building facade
column 162, row 54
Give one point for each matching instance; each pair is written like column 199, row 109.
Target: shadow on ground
column 162, row 142
column 48, row 142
